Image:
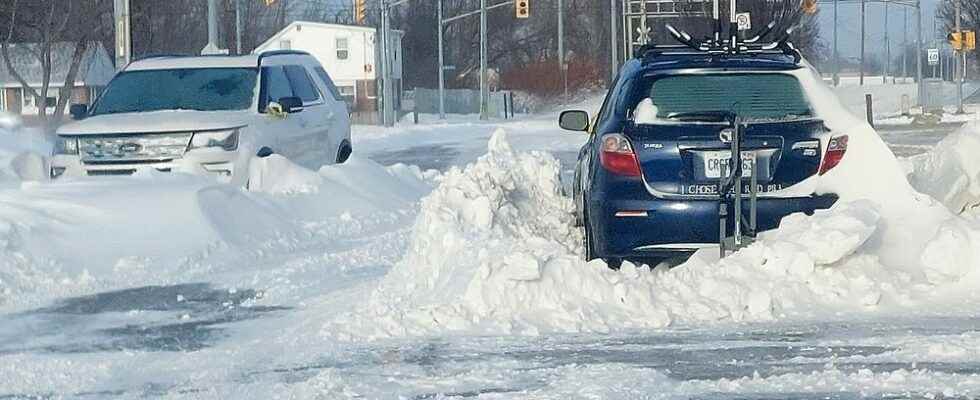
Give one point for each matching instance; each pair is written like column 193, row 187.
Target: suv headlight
column 226, row 140
column 66, row 146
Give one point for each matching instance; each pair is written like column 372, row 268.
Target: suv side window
column 302, row 84
column 330, row 85
column 275, row 85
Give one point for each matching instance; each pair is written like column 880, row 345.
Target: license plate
column 712, row 190
column 715, row 161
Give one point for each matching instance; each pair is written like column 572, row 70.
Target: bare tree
column 38, row 26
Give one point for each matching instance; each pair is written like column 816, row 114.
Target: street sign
column 933, row 56
column 744, row 21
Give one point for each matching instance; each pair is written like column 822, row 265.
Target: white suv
column 207, row 115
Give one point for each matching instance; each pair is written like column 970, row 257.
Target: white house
column 347, row 52
column 94, row 72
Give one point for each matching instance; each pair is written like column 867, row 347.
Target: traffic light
column 971, row 40
column 360, row 11
column 956, row 40
column 810, row 6
column 523, row 8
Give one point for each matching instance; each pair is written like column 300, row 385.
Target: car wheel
column 343, row 153
column 587, row 239
column 614, row 263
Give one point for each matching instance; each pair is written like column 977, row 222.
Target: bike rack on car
column 730, row 192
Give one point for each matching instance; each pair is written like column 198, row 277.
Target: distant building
column 347, row 52
column 94, row 73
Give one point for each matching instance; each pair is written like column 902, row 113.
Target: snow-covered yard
column 454, row 272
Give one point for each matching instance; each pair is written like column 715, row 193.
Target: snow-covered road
column 341, row 284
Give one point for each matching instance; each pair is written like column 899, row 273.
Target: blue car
column 647, row 182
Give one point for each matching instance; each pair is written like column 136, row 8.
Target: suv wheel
column 344, row 152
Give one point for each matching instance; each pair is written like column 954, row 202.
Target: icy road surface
column 363, row 281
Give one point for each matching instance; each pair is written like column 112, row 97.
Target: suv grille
column 133, row 148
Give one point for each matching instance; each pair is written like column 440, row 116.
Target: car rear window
column 203, row 89
column 765, row 96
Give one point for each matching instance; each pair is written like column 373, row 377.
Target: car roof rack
column 720, row 45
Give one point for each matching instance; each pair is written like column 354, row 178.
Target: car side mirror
column 78, row 111
column 291, row 105
column 574, row 120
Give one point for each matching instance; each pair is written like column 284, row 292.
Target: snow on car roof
column 170, row 62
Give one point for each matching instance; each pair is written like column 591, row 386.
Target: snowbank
column 75, row 236
column 494, row 252
column 22, row 152
column 951, row 171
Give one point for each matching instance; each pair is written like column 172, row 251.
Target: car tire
column 344, row 152
column 587, row 239
column 614, row 263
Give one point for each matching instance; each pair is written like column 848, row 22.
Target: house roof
column 301, row 24
column 96, row 68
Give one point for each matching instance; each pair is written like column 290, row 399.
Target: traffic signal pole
column 484, row 87
column 613, row 48
column 442, row 66
column 961, row 64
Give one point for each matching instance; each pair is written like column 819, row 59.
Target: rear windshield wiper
column 711, row 116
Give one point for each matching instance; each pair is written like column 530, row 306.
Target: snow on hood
column 494, row 252
column 157, row 121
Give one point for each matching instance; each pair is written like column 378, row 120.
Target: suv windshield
column 756, row 97
column 202, row 89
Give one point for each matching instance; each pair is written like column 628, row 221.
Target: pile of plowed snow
column 74, row 236
column 951, row 171
column 494, row 252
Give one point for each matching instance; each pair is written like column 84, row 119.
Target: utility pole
column 124, row 42
column 836, row 51
column 213, row 23
column 387, row 84
column 905, row 46
column 238, row 27
column 961, row 64
column 888, row 49
column 918, row 51
column 613, row 49
column 442, row 67
column 212, row 46
column 864, row 7
column 484, row 87
column 563, row 69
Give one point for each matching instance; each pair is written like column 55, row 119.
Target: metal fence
column 463, row 101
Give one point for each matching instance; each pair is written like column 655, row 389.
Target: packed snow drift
column 72, row 237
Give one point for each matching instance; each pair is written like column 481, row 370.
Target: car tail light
column 835, row 153
column 617, row 155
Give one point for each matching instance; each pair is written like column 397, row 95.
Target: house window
column 343, row 48
column 285, row 44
